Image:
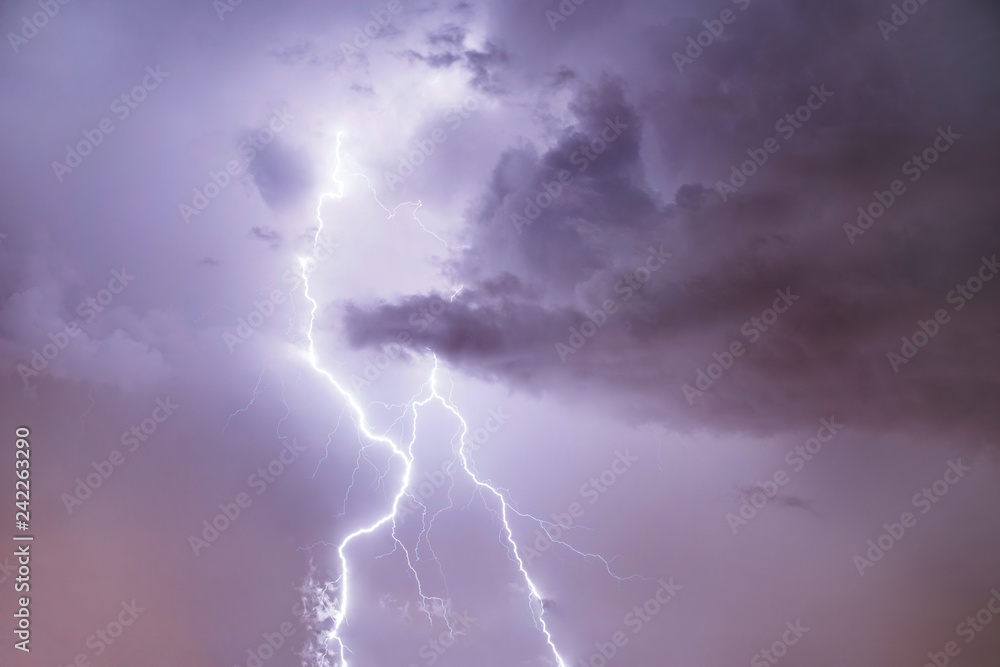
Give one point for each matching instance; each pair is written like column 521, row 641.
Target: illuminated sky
column 626, row 235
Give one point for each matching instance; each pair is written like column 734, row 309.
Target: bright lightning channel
column 406, row 456
column 343, row 581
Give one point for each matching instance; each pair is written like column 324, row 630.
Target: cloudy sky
column 575, row 333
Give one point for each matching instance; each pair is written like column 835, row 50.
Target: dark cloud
column 282, row 175
column 269, row 236
column 450, row 35
column 588, row 160
column 783, row 230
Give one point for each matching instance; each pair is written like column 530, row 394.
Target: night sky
column 563, row 332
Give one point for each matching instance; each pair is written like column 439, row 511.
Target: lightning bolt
column 337, row 610
column 535, row 599
column 253, row 399
column 397, row 451
column 392, row 212
column 83, row 423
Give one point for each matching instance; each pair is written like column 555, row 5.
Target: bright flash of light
column 337, row 610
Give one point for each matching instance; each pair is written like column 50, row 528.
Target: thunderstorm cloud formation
column 574, row 332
